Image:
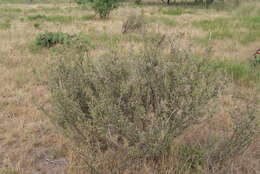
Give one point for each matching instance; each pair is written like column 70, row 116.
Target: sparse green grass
column 88, row 17
column 53, row 9
column 161, row 20
column 245, row 18
column 249, row 37
column 60, row 19
column 168, row 22
column 175, row 11
column 251, row 22
column 5, row 26
column 241, row 71
column 36, row 17
column 51, row 18
column 105, row 37
column 10, row 10
column 31, row 1
column 213, row 24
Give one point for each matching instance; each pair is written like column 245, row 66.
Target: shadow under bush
column 122, row 108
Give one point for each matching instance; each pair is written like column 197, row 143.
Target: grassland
column 29, row 143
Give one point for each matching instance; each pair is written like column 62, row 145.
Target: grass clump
column 49, row 39
column 36, row 17
column 37, row 25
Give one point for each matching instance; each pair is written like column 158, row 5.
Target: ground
column 29, row 143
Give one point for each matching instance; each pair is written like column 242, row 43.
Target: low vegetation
column 152, row 89
column 135, row 106
column 48, row 39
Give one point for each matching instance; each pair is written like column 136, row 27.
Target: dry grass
column 28, row 141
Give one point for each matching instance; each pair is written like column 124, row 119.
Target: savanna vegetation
column 129, row 87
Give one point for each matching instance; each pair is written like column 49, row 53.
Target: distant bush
column 134, row 23
column 104, row 7
column 135, row 104
column 48, row 39
column 36, row 25
column 101, row 7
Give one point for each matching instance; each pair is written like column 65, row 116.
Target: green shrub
column 48, row 39
column 161, row 20
column 101, row 7
column 104, row 7
column 138, row 1
column 135, row 104
column 36, row 25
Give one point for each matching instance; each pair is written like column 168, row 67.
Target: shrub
column 104, row 7
column 101, row 7
column 133, row 105
column 138, row 1
column 134, row 23
column 36, row 25
column 48, row 39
